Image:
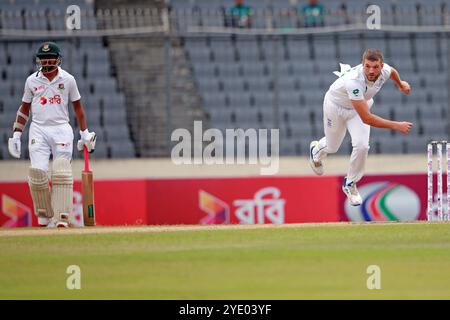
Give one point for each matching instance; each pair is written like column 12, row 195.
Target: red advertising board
column 16, row 205
column 117, row 202
column 252, row 200
column 120, row 202
column 244, row 200
column 388, row 198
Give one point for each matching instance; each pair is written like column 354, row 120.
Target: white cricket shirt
column 353, row 85
column 50, row 100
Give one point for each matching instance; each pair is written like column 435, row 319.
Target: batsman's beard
column 48, row 69
column 48, row 65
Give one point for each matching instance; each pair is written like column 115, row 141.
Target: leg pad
column 40, row 192
column 62, row 187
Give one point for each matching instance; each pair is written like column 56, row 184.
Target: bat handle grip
column 86, row 159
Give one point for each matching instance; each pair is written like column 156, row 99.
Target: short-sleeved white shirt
column 50, row 100
column 353, row 85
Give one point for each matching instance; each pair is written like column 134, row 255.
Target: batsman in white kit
column 347, row 106
column 47, row 94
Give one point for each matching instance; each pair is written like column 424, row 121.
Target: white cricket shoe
column 352, row 193
column 317, row 166
column 62, row 222
column 43, row 221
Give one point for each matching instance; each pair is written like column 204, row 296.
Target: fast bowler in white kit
column 47, row 94
column 347, row 106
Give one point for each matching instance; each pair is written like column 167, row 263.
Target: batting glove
column 14, row 145
column 88, row 139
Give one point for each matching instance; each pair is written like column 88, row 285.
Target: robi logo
column 56, row 99
column 385, row 201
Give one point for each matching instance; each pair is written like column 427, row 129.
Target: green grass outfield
column 321, row 261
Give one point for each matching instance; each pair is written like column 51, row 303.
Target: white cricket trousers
column 46, row 140
column 336, row 121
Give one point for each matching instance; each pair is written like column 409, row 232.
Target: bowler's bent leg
column 334, row 128
column 360, row 134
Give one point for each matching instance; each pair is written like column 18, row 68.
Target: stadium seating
column 246, row 80
column 300, row 70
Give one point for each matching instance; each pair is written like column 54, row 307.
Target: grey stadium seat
column 122, row 149
column 117, row 132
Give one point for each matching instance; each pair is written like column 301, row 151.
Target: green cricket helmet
column 48, row 57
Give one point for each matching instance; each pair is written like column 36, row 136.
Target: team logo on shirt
column 61, row 86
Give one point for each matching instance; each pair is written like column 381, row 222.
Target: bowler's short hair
column 373, row 55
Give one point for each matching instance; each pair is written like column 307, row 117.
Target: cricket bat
column 87, row 183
